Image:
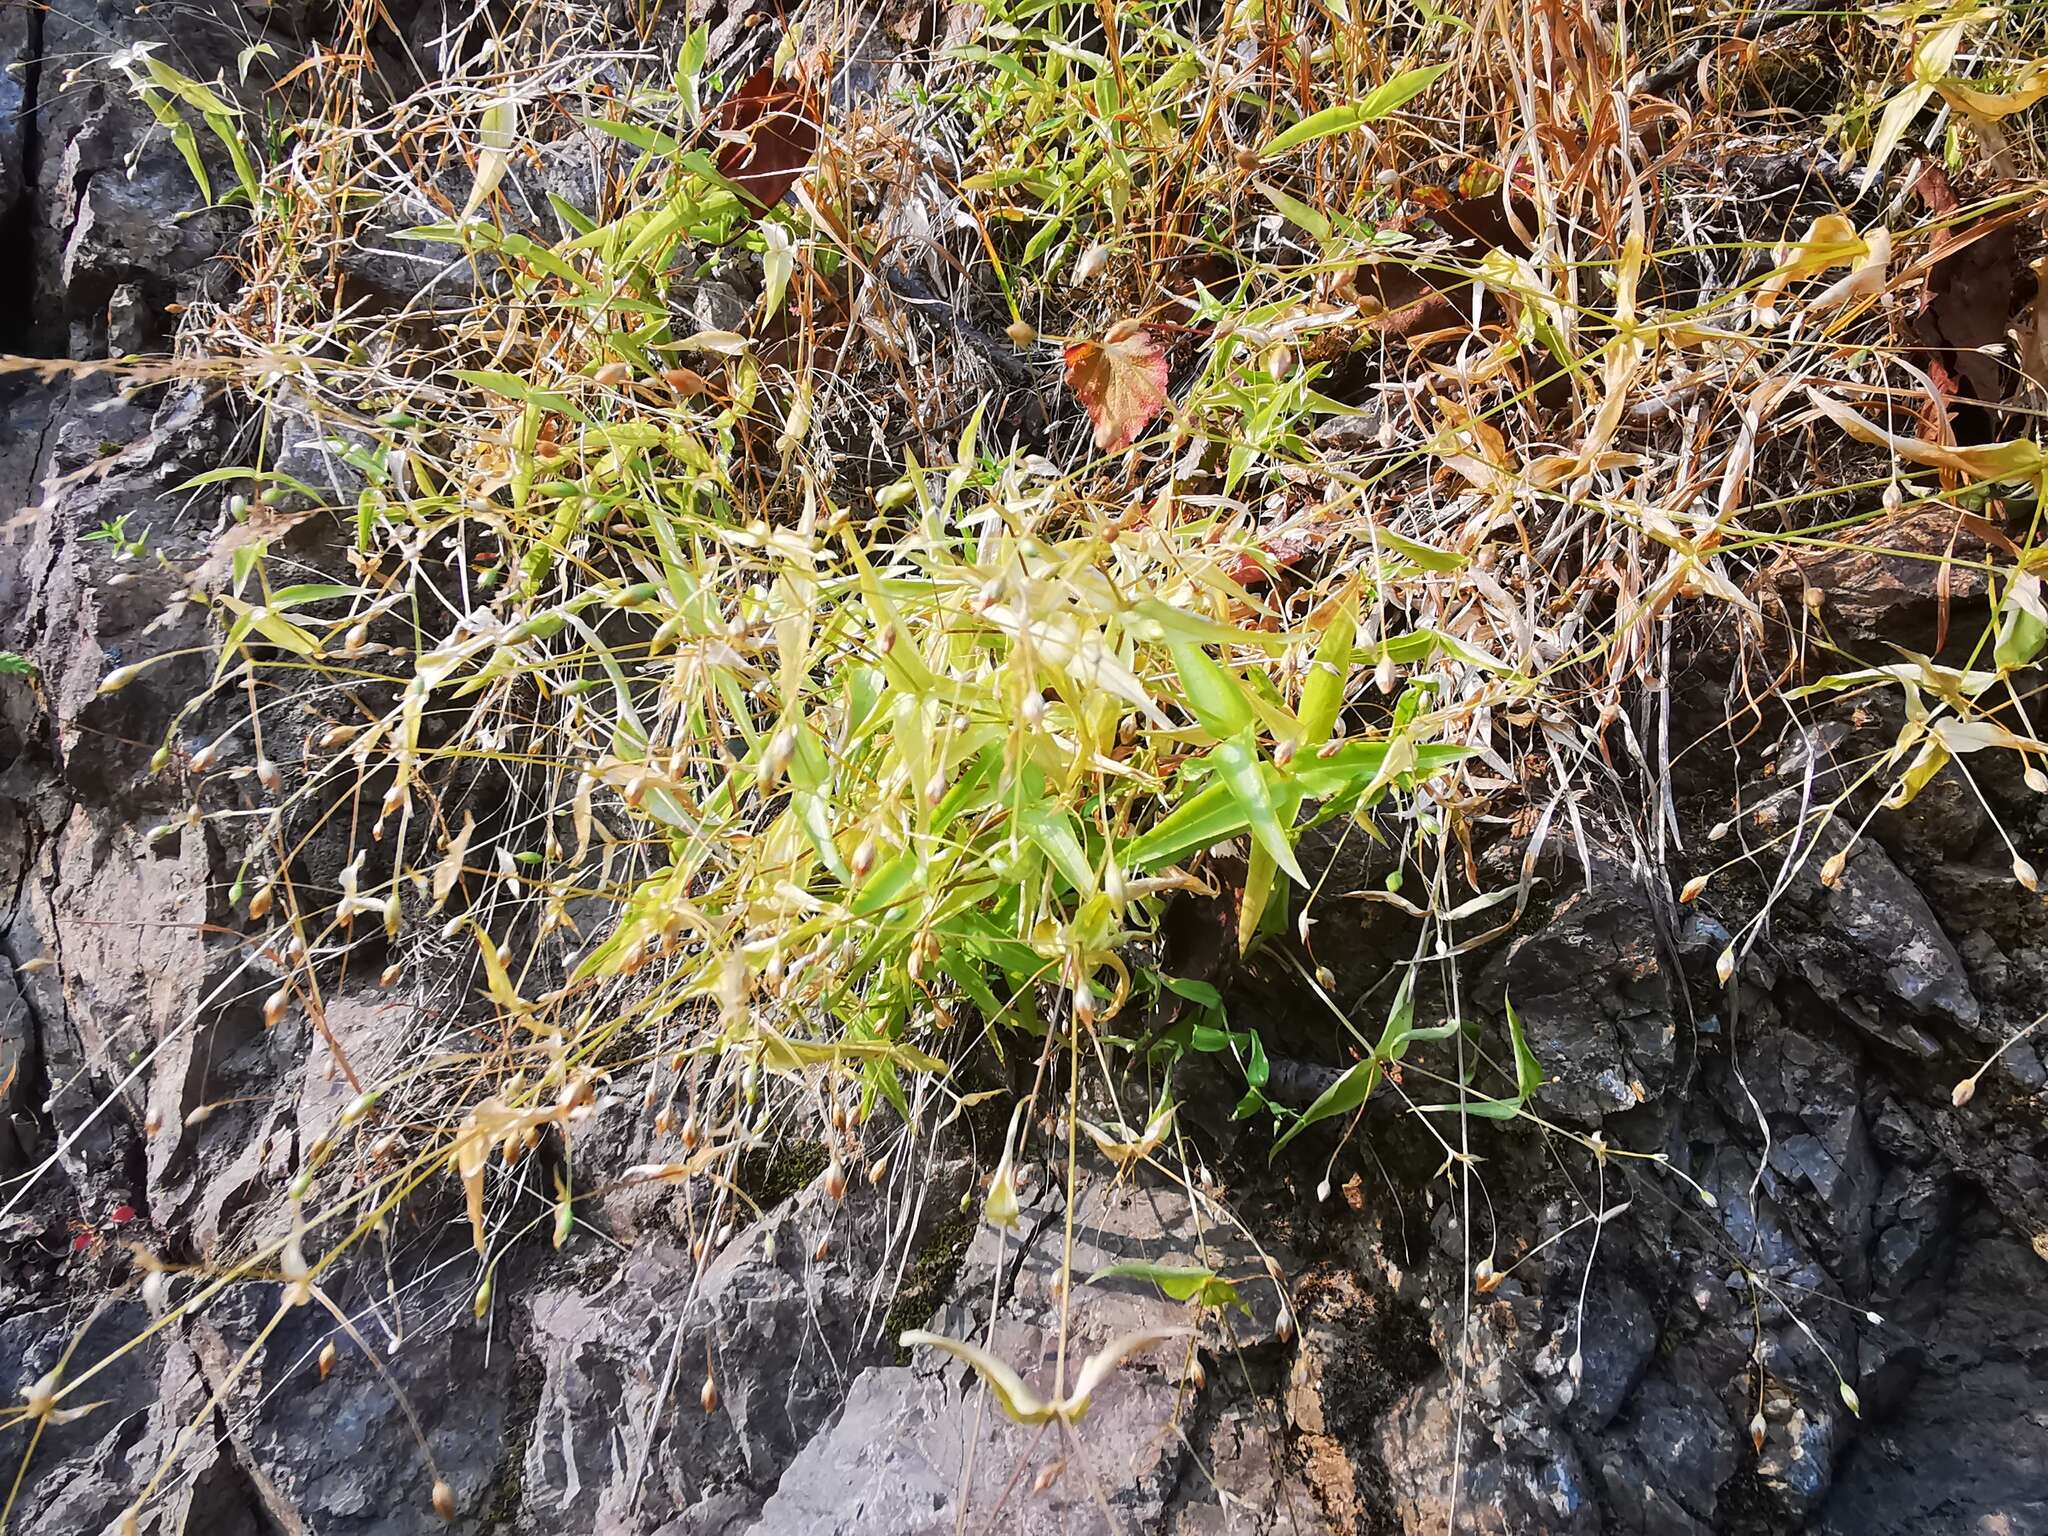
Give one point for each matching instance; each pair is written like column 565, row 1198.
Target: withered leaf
column 1121, row 379
column 776, row 122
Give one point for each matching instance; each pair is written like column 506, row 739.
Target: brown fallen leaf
column 1122, row 381
column 769, row 129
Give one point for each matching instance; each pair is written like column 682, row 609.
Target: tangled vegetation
column 827, row 529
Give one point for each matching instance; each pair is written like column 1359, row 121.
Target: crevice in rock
column 19, row 269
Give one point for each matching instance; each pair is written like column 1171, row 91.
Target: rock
column 1518, row 1477
column 1876, row 591
column 1241, row 1480
column 88, row 608
column 908, row 1439
column 1870, row 945
column 620, row 1443
column 920, row 1448
column 337, row 1457
column 1593, row 990
column 1964, row 1451
column 1662, row 1466
column 20, row 42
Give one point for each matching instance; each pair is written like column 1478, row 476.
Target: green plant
column 114, row 534
column 743, row 706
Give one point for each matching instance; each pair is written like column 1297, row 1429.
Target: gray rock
column 620, row 1443
column 1515, row 1477
column 1591, row 986
column 336, row 1457
column 1871, row 946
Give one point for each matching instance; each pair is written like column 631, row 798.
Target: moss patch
column 930, row 1279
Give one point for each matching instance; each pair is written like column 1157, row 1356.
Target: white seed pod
column 1963, row 1092
column 444, row 1500
column 708, row 1398
column 120, row 678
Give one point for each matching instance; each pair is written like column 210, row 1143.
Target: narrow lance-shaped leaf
column 499, row 133
column 1357, row 1084
column 1344, row 117
column 1204, row 1286
column 1237, row 761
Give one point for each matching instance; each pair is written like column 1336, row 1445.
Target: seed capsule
column 709, row 1396
column 444, row 1500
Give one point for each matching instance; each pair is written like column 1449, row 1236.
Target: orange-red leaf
column 779, row 122
column 1122, row 381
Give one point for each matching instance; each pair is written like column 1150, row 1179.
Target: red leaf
column 1122, row 381
column 779, row 119
column 1286, row 548
column 81, row 1242
column 121, row 1214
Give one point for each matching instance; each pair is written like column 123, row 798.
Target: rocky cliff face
column 1672, row 1368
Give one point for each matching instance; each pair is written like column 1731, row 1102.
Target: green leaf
column 2023, row 629
column 1051, row 830
column 514, row 388
column 1357, row 1084
column 1400, row 1020
column 1340, row 1098
column 1238, row 764
column 1018, row 1400
column 1208, row 817
column 1346, row 116
column 1322, row 696
column 1528, row 1078
column 1296, row 211
column 885, row 886
column 1194, row 991
column 1214, row 697
column 310, row 592
column 655, row 143
column 1203, row 1286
